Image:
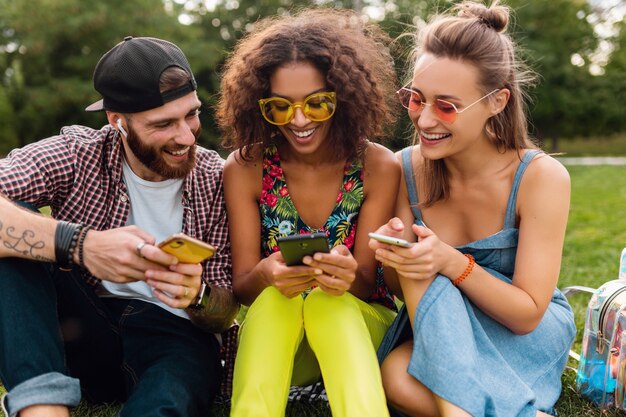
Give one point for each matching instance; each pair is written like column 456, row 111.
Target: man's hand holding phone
column 179, row 285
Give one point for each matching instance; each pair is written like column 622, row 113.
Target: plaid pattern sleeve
column 40, row 173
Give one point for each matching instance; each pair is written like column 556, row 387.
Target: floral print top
column 279, row 216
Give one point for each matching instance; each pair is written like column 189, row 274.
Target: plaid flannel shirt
column 79, row 175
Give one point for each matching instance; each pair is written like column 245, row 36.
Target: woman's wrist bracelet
column 468, row 270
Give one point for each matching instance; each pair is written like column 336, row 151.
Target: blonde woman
column 485, row 332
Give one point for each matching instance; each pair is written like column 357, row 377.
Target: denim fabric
column 172, row 368
column 43, row 389
column 55, row 331
column 468, row 358
column 30, row 344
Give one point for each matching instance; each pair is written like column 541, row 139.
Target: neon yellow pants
column 296, row 341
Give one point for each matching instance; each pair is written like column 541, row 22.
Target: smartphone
column 391, row 240
column 187, row 249
column 296, row 247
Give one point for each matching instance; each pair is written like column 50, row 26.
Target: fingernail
column 318, row 272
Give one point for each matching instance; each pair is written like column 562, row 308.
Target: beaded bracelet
column 467, row 271
column 65, row 239
column 81, row 241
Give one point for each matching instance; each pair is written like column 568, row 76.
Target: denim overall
column 469, row 359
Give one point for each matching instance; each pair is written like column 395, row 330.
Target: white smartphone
column 391, row 240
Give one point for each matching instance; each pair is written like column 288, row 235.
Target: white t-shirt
column 157, row 208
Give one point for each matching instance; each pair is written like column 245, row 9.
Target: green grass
column 595, row 237
column 614, row 145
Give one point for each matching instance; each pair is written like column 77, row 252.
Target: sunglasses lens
column 319, row 107
column 316, row 107
column 278, row 111
column 410, row 100
column 445, row 111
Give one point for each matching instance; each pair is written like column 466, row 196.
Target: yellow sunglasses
column 317, row 107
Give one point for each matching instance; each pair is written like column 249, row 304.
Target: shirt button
column 123, row 199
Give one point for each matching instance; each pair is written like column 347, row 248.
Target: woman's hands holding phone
column 338, row 269
column 423, row 260
column 333, row 272
column 289, row 280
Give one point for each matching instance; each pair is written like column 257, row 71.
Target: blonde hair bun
column 494, row 16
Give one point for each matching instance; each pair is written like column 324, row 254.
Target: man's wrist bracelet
column 65, row 240
column 81, row 243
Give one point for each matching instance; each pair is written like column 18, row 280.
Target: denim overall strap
column 409, row 178
column 509, row 219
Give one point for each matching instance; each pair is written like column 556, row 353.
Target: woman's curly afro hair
column 352, row 54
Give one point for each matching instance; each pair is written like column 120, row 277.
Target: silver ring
column 139, row 247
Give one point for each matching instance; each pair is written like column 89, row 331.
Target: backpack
column 601, row 374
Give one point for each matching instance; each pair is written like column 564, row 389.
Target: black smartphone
column 296, row 247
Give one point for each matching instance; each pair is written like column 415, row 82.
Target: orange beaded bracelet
column 468, row 270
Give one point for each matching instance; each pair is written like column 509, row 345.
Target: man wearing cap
column 88, row 303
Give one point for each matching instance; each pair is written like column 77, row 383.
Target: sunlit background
column 48, row 49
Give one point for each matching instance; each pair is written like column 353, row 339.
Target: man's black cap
column 128, row 75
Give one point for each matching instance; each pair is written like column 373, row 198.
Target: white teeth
column 303, row 134
column 435, row 136
column 180, row 152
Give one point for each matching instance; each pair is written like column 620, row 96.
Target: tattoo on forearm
column 25, row 243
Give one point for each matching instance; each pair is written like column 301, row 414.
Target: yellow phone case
column 187, row 249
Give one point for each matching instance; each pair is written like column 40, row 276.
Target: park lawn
column 595, row 237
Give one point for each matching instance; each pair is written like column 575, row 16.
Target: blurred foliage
column 48, row 49
column 569, row 101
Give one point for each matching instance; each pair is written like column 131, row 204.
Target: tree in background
column 48, row 49
column 614, row 101
column 559, row 41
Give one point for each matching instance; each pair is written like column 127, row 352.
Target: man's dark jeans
column 53, row 325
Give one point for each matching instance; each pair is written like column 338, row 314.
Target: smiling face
column 161, row 142
column 455, row 82
column 295, row 82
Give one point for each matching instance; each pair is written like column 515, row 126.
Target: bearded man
column 90, row 306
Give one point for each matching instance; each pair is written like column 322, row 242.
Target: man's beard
column 151, row 157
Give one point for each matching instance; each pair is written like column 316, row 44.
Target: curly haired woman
column 300, row 98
